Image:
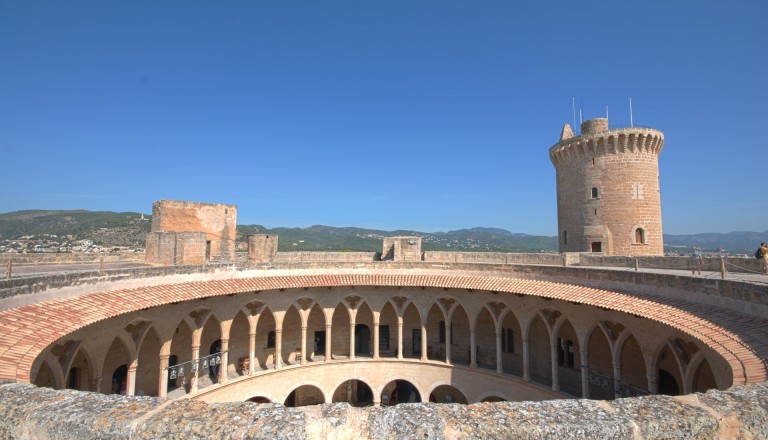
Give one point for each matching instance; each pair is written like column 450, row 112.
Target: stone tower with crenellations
column 608, row 197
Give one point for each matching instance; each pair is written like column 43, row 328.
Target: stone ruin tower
column 608, row 197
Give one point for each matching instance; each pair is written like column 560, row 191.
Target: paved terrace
column 727, row 315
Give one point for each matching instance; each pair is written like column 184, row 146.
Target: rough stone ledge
column 28, row 412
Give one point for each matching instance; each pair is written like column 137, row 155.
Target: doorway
column 362, row 339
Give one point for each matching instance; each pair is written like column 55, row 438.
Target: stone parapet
column 30, row 412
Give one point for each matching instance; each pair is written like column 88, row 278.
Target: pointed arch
column 540, row 351
column 388, row 331
column 291, row 342
column 512, row 343
column 600, row 364
column 147, row 375
column 485, row 335
column 460, row 336
column 568, row 358
column 632, row 362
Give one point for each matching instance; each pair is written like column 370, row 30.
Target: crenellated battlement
column 599, row 140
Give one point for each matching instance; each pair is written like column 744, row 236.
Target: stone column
column 193, row 374
column 652, row 384
column 327, row 342
column 162, row 382
column 278, row 347
column 304, row 344
column 617, row 380
column 352, row 339
column 251, row 353
column 399, row 337
column 499, row 358
column 130, row 381
column 95, row 385
column 448, row 339
column 526, row 360
column 584, row 374
column 423, row 341
column 555, row 375
column 224, row 361
column 376, row 316
column 472, row 346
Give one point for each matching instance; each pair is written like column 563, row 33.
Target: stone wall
column 42, row 413
column 69, row 258
column 732, row 264
column 492, row 258
column 341, row 257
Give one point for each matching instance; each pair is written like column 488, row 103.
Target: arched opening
column 214, row 361
column 259, row 399
column 595, row 193
column 485, row 334
column 355, row 392
column 565, row 236
column 540, row 351
column 435, row 333
column 668, row 385
column 411, row 332
column 447, row 394
column 79, row 372
column 669, row 381
column 600, row 366
column 364, row 331
column 340, row 332
column 362, row 340
column 511, row 345
column 119, row 380
column 291, row 342
column 633, row 372
column 238, row 358
column 147, row 380
column 316, row 334
column 460, row 336
column 492, row 399
column 210, row 339
column 388, row 331
column 569, row 359
column 305, row 395
column 639, row 236
column 265, row 340
column 117, row 357
column 44, row 376
column 181, row 353
column 399, row 391
column 703, row 378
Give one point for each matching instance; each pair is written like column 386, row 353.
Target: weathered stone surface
column 667, row 417
column 743, row 410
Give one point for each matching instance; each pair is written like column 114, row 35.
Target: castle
column 206, row 325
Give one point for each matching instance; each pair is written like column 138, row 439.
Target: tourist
column 764, row 252
column 696, row 260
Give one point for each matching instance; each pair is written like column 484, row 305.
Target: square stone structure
column 401, row 249
column 191, row 233
column 262, row 248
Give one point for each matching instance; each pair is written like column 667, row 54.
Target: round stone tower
column 608, row 197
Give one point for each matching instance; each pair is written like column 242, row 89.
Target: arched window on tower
column 639, row 236
column 595, row 193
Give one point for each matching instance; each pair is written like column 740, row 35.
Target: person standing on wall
column 696, row 260
column 764, row 256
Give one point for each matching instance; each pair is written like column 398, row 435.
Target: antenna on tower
column 573, row 104
column 581, row 119
column 606, row 112
column 631, row 122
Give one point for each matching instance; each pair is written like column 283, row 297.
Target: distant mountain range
column 130, row 228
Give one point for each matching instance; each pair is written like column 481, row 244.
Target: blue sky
column 427, row 115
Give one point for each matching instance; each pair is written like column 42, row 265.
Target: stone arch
column 81, row 371
column 356, row 392
column 48, row 373
column 600, row 364
column 239, row 345
column 180, row 353
column 291, row 339
column 668, row 370
column 436, row 333
column 210, row 342
column 460, row 336
column 512, row 343
column 340, row 332
column 540, row 351
column 118, row 355
column 412, row 331
column 448, row 393
column 568, row 358
column 148, row 364
column 305, row 393
column 315, row 333
column 485, row 337
column 399, row 391
column 388, row 331
column 493, row 396
column 364, row 330
column 701, row 377
column 265, row 340
column 632, row 363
